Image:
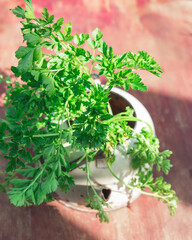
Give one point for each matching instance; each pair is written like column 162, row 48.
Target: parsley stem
column 118, row 118
column 89, row 181
column 120, row 180
column 7, row 136
column 50, row 70
column 34, row 136
column 134, row 188
column 109, row 109
column 47, row 135
column 81, row 159
column 48, row 54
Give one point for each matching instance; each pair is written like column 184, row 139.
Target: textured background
column 164, row 29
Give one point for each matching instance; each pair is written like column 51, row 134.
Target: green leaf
column 68, row 38
column 29, row 2
column 98, row 67
column 23, row 153
column 126, row 86
column 15, row 127
column 57, row 25
column 49, row 83
column 135, row 81
column 28, row 171
column 49, row 151
column 37, row 54
column 124, row 73
column 67, row 32
column 19, row 12
column 36, row 74
column 166, row 165
column 50, row 184
column 60, row 35
column 91, row 43
column 50, row 19
column 20, row 163
column 166, row 153
column 25, row 64
column 97, row 34
column 18, row 182
column 76, row 39
column 3, row 128
column 42, row 23
column 39, row 196
column 11, row 114
column 32, row 39
column 30, row 195
column 4, row 147
column 29, row 13
column 119, row 60
column 47, row 32
column 13, row 150
column 103, row 48
column 15, row 71
column 80, row 52
column 60, row 21
column 80, row 39
column 22, row 52
column 67, row 29
column 110, row 52
column 45, row 13
column 29, row 26
column 11, row 165
column 27, row 142
column 17, row 197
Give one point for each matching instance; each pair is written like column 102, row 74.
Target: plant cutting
column 55, row 108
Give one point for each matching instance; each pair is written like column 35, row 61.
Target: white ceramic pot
column 114, row 193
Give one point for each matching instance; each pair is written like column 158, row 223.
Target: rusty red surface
column 164, row 29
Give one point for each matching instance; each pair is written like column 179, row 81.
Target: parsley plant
column 57, row 89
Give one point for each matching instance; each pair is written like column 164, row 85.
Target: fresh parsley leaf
column 97, row 34
column 19, row 12
column 32, row 39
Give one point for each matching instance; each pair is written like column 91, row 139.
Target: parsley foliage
column 58, row 90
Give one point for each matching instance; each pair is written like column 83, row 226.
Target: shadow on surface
column 39, row 223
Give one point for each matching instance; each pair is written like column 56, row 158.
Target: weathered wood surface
column 163, row 28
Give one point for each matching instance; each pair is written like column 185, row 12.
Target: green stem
column 110, row 109
column 7, row 137
column 134, row 188
column 35, row 136
column 118, row 118
column 46, row 135
column 88, row 178
column 48, row 54
column 81, row 159
column 50, row 70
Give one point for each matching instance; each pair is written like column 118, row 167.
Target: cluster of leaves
column 145, row 154
column 57, row 85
